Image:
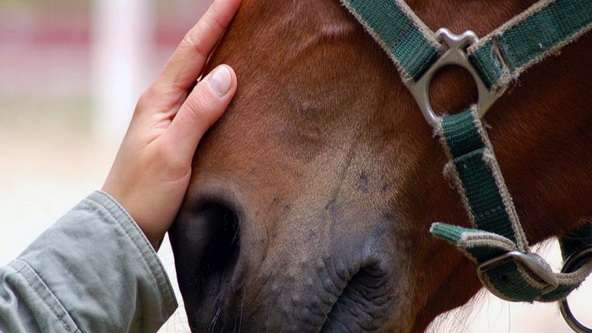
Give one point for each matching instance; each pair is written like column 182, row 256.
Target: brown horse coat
column 330, row 177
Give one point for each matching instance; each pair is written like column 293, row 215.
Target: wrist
column 154, row 237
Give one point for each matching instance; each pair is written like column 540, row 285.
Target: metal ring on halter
column 571, row 264
column 455, row 55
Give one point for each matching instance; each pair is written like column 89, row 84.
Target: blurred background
column 70, row 74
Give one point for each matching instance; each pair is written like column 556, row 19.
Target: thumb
column 204, row 105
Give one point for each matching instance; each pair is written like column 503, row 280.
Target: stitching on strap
column 509, row 206
column 491, row 161
column 402, row 71
column 499, row 58
column 535, row 8
column 409, row 67
column 420, row 24
column 554, row 50
column 518, row 53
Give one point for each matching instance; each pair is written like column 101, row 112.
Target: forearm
column 94, row 271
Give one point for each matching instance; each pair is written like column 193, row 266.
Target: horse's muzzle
column 234, row 280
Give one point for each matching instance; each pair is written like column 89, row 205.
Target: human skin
column 152, row 169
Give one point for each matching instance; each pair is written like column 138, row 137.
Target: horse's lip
column 363, row 305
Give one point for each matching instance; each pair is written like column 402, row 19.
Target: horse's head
column 311, row 200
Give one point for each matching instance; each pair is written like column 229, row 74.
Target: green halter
column 496, row 243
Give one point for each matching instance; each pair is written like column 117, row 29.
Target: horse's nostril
column 223, row 246
column 206, row 242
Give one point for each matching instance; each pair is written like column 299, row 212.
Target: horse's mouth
column 363, row 305
column 229, row 284
column 360, row 303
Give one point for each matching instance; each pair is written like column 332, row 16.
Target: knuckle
column 192, row 43
column 200, row 103
column 212, row 21
column 188, row 40
column 148, row 98
column 195, row 40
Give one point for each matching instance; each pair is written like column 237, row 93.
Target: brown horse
column 311, row 200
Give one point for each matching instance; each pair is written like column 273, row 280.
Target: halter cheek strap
column 496, row 242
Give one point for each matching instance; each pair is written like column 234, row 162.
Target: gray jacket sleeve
column 93, row 271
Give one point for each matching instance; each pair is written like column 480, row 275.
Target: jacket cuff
column 141, row 242
column 96, row 267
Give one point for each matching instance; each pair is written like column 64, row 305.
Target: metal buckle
column 572, row 263
column 455, row 55
column 532, row 262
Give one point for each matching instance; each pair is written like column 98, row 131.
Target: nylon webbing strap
column 529, row 38
column 499, row 58
column 497, row 230
column 475, row 166
column 496, row 242
column 410, row 44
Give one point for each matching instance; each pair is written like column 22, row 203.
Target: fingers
column 187, row 61
column 206, row 103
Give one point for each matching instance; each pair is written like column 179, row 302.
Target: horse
column 311, row 200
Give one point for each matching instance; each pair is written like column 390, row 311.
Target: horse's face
column 311, row 200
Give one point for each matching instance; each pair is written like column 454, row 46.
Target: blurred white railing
column 121, row 41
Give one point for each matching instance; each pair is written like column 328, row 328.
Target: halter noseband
column 496, row 242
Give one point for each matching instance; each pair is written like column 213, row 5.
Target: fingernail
column 220, row 80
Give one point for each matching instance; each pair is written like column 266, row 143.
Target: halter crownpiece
column 496, row 242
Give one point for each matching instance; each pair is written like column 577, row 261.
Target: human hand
column 152, row 169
